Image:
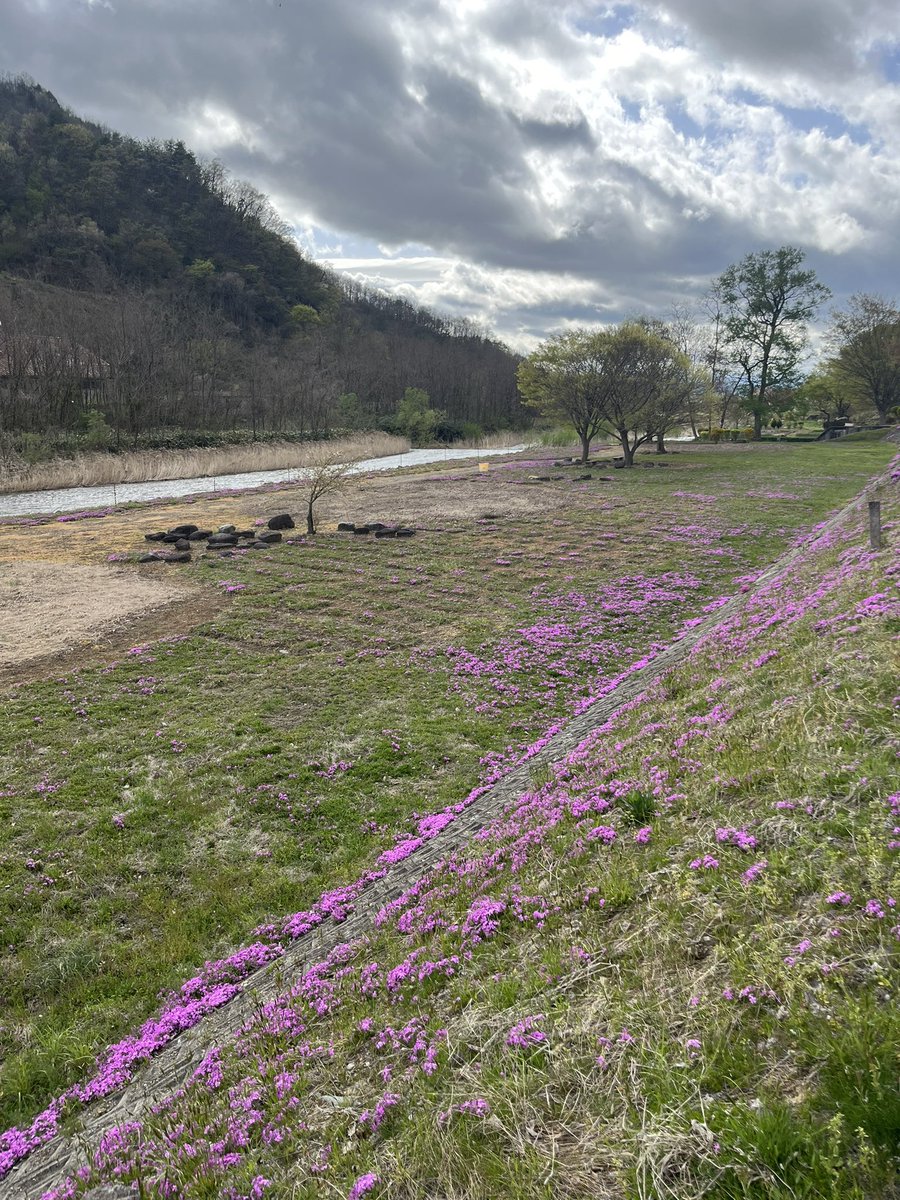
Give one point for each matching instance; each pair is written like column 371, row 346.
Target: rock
column 382, row 533
column 172, row 538
column 376, row 525
column 154, row 537
column 282, row 521
column 360, row 529
column 184, row 530
column 604, row 478
column 247, row 533
column 219, row 540
column 404, row 533
column 581, row 478
column 269, row 537
column 227, row 528
column 110, row 1191
column 618, row 466
column 179, row 556
column 540, row 478
column 183, row 544
column 557, row 476
column 345, row 526
column 150, row 558
column 259, row 545
column 200, row 535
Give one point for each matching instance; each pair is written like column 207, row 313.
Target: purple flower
column 364, row 1184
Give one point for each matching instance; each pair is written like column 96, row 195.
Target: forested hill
column 96, row 226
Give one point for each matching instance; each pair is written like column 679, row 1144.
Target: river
column 21, row 504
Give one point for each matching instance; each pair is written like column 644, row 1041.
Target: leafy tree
column 621, row 382
column 563, row 378
column 866, row 339
column 303, row 315
column 201, row 268
column 415, row 417
column 827, row 396
column 766, row 301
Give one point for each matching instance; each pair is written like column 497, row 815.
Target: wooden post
column 875, row 524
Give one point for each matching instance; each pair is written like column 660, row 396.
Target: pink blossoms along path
column 210, row 1009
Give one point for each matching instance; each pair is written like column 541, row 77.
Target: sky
column 529, row 164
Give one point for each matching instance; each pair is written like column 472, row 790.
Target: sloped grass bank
column 666, row 970
column 196, row 862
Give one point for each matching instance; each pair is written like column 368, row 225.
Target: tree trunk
column 661, row 444
column 757, row 425
column 585, row 448
column 627, row 449
column 310, row 527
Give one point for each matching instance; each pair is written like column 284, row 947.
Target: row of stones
column 182, row 538
column 378, row 528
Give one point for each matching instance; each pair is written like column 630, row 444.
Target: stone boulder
column 155, row 537
column 200, row 535
column 281, row 521
column 269, row 537
column 184, row 530
column 345, row 527
column 226, row 528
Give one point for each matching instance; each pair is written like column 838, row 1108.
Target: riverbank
column 104, row 469
column 70, row 499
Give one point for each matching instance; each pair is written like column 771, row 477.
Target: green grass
column 213, row 747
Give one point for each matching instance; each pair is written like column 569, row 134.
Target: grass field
column 572, row 1035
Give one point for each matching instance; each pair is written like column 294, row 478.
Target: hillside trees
column 766, row 301
column 627, row 382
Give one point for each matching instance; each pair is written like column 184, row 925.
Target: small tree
column 766, row 301
column 646, row 384
column 564, row 378
column 325, row 470
column 622, row 382
column 415, row 417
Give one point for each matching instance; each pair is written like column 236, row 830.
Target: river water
column 20, row 504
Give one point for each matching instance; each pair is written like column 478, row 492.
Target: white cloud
column 525, row 163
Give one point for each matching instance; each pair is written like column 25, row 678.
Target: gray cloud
column 509, row 138
column 823, row 38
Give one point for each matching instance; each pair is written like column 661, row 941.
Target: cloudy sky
column 530, row 163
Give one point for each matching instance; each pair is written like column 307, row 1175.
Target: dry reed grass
column 142, row 466
column 495, row 441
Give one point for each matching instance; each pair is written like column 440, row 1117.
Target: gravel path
column 164, row 1074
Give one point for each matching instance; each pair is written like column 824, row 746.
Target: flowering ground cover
column 168, row 804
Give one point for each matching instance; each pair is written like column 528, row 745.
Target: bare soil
column 48, row 610
column 63, row 603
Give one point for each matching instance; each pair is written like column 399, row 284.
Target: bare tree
column 326, row 468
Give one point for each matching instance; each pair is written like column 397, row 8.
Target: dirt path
column 174, row 1065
